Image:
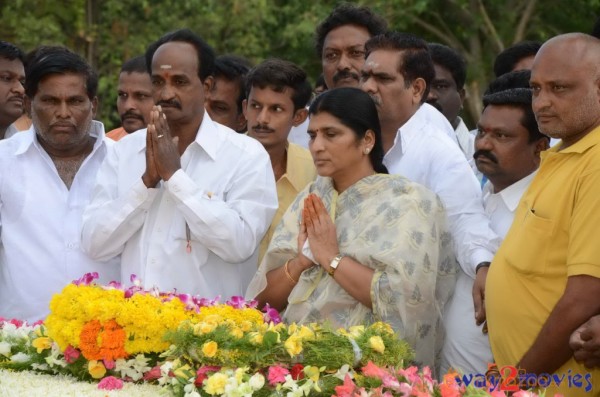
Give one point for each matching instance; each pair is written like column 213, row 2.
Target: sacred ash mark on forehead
column 166, row 66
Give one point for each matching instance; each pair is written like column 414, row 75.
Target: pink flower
column 16, row 323
column 86, row 279
column 497, row 393
column 277, row 374
column 153, row 374
column 373, row 371
column 71, row 354
column 208, row 368
column 346, row 389
column 109, row 364
column 237, row 302
column 524, row 393
column 110, row 383
column 411, row 374
column 271, row 315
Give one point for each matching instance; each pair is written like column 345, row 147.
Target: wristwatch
column 334, row 264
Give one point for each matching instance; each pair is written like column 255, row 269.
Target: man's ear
column 94, row 106
column 241, row 122
column 245, row 108
column 541, row 145
column 300, row 116
column 418, row 87
column 208, row 84
column 462, row 94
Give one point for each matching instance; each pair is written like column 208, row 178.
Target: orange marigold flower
column 102, row 341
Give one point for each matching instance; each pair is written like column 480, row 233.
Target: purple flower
column 87, row 279
column 271, row 315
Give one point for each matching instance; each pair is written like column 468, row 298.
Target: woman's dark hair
column 356, row 110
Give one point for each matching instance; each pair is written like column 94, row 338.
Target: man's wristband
column 482, row 264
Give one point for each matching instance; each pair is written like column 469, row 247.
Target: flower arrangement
column 196, row 347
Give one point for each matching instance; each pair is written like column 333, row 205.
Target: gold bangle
column 287, row 272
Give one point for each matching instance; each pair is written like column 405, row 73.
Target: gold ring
column 160, row 136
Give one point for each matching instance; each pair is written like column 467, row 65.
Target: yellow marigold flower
column 247, row 325
column 209, row 349
column 42, row 343
column 256, row 338
column 376, row 343
column 215, row 385
column 237, row 333
column 96, row 369
column 293, row 345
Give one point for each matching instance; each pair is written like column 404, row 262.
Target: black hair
column 415, row 58
column 135, row 65
column 45, row 61
column 206, row 55
column 321, row 81
column 356, row 110
column 451, row 60
column 513, row 89
column 233, row 68
column 507, row 59
column 279, row 74
column 10, row 51
column 348, row 14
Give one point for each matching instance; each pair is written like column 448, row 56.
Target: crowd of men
column 187, row 193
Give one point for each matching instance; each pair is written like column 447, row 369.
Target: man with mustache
column 508, row 146
column 397, row 74
column 12, row 92
column 134, row 100
column 225, row 97
column 544, row 281
column 46, row 178
column 187, row 201
column 278, row 92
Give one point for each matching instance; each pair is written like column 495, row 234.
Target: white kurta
column 223, row 199
column 41, row 225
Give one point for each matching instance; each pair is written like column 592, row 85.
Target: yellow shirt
column 300, row 171
column 553, row 236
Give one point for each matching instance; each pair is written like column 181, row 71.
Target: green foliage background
column 107, row 32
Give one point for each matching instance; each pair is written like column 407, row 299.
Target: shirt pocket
column 528, row 252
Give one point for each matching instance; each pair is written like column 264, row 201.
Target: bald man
column 544, row 281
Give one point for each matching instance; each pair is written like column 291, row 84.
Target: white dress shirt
column 426, row 155
column 41, row 225
column 466, row 140
column 222, row 200
column 437, row 119
column 466, row 347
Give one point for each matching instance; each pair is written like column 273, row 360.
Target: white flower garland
column 18, row 384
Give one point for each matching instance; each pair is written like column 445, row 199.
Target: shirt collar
column 512, row 194
column 96, row 131
column 409, row 130
column 588, row 141
column 291, row 169
column 208, row 136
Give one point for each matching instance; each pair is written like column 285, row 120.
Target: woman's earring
column 367, row 150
